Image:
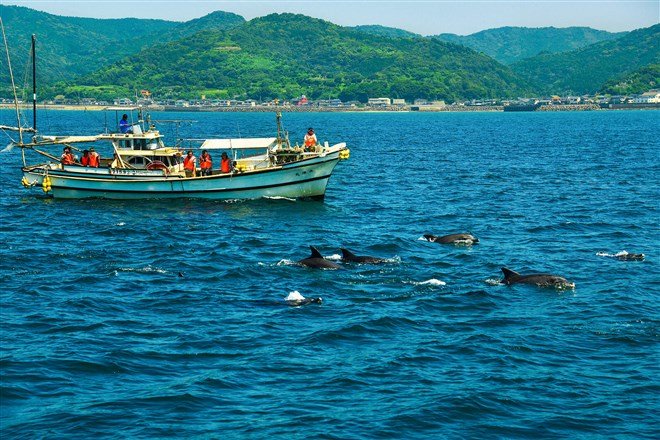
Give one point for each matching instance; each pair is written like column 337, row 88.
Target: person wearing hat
column 94, row 158
column 67, row 158
column 310, row 140
column 124, row 125
column 225, row 163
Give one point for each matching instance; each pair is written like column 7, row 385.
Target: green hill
column 637, row 82
column 385, row 31
column 72, row 46
column 510, row 44
column 586, row 70
column 283, row 56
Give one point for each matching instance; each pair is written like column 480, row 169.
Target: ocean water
column 100, row 336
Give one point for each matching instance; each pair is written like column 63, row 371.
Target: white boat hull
column 302, row 179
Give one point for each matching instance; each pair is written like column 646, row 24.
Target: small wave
column 493, row 281
column 121, row 224
column 431, row 282
column 286, row 262
column 147, row 269
column 279, row 198
column 333, row 257
column 422, row 238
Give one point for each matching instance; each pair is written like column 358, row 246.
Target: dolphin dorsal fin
column 315, row 253
column 508, row 273
column 346, row 253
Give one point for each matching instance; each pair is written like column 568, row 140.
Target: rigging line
column 13, row 86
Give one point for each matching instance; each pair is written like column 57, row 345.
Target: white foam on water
column 146, row 269
column 294, row 296
column 286, row 262
column 121, row 224
column 279, row 198
column 334, row 257
column 422, row 238
column 431, row 282
column 493, row 281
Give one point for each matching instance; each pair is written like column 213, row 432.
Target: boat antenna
column 13, row 86
column 34, row 83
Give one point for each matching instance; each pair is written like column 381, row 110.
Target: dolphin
column 630, row 257
column 349, row 256
column 537, row 279
column 467, row 239
column 296, row 299
column 317, row 261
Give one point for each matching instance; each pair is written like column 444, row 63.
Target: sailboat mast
column 34, row 83
column 13, row 85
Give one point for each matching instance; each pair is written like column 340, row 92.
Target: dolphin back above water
column 537, row 279
column 296, row 299
column 467, row 239
column 317, row 261
column 349, row 256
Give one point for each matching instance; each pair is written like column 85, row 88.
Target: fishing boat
column 143, row 167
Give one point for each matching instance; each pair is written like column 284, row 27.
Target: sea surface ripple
column 101, row 336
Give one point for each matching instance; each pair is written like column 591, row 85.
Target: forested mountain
column 71, row 46
column 586, row 70
column 286, row 55
column 637, row 82
column 385, row 31
column 510, row 44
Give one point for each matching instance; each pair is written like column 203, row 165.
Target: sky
column 426, row 17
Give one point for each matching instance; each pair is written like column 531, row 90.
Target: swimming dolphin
column 296, row 299
column 537, row 279
column 630, row 257
column 452, row 239
column 317, row 261
column 349, row 256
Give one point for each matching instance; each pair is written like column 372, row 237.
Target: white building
column 650, row 97
column 398, row 102
column 379, row 102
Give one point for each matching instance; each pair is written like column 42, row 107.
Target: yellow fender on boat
column 45, row 185
column 344, row 154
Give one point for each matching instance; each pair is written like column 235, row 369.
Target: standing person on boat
column 67, row 158
column 124, row 125
column 84, row 160
column 116, row 161
column 94, row 158
column 310, row 140
column 225, row 163
column 205, row 163
column 190, row 164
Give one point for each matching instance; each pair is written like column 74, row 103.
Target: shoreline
column 294, row 109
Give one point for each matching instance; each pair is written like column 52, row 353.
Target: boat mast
column 34, row 83
column 13, row 87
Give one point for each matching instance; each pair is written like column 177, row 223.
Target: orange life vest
column 205, row 163
column 93, row 160
column 84, row 161
column 67, row 159
column 225, row 165
column 189, row 163
column 310, row 141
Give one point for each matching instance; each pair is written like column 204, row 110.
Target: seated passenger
column 225, row 164
column 205, row 163
column 116, row 162
column 310, row 140
column 84, row 160
column 67, row 158
column 94, row 158
column 124, row 125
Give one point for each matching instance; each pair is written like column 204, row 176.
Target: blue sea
column 101, row 336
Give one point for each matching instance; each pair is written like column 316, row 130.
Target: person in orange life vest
column 67, row 158
column 225, row 163
column 94, row 158
column 189, row 164
column 205, row 163
column 310, row 140
column 84, row 160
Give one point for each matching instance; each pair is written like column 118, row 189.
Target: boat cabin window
column 138, row 160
